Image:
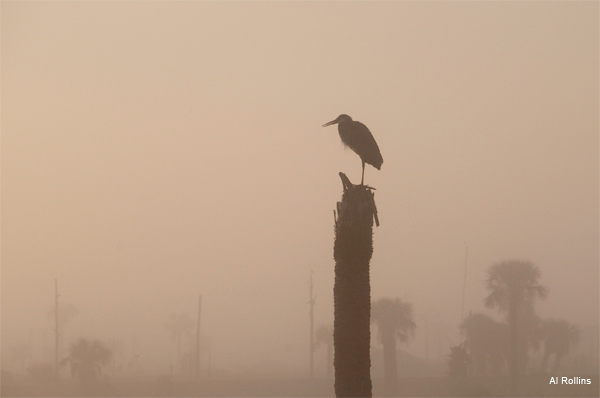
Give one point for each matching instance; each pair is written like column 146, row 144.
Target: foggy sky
column 154, row 151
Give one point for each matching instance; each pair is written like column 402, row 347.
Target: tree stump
column 352, row 251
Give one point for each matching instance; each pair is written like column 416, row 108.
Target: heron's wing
column 360, row 140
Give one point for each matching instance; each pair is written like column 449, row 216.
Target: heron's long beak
column 330, row 123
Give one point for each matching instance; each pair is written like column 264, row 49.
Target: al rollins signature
column 566, row 380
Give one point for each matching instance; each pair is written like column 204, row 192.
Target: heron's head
column 340, row 119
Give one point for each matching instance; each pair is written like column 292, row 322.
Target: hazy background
column 154, row 151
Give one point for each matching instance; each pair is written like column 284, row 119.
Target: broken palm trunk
column 352, row 252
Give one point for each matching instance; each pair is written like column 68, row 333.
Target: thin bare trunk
column 390, row 369
column 311, row 302
column 514, row 345
column 545, row 361
column 556, row 364
column 197, row 359
column 57, row 343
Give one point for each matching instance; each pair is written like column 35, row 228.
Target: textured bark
column 329, row 361
column 352, row 252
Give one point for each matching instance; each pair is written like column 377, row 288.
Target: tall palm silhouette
column 559, row 337
column 514, row 286
column 324, row 336
column 458, row 365
column 87, row 358
column 395, row 322
column 486, row 341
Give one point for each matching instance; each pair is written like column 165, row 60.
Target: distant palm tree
column 458, row 365
column 179, row 325
column 513, row 287
column 530, row 332
column 87, row 358
column 395, row 322
column 324, row 336
column 458, row 362
column 486, row 341
column 560, row 336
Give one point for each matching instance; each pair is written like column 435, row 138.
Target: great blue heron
column 357, row 137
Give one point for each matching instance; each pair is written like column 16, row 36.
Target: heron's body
column 357, row 137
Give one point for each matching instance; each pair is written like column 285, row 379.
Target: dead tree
column 311, row 301
column 352, row 252
column 56, row 330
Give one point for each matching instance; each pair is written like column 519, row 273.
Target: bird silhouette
column 357, row 137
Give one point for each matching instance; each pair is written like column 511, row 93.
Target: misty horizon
column 154, row 152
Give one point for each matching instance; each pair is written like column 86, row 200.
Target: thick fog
column 156, row 151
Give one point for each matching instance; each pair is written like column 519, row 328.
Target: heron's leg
column 363, row 174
